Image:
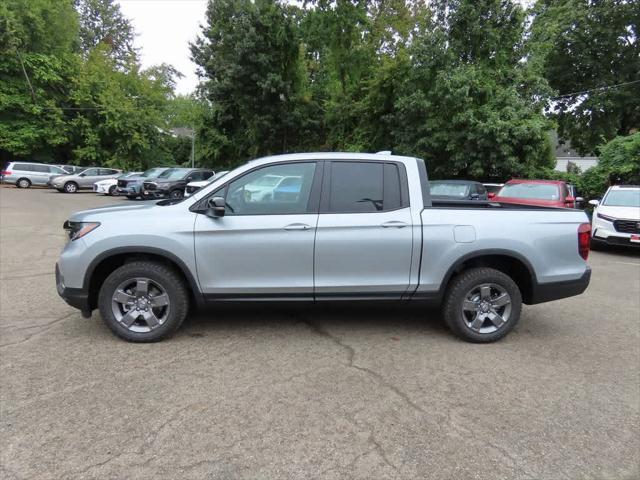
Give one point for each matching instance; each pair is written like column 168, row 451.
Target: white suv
column 616, row 218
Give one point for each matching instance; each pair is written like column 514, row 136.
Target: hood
column 106, row 181
column 122, row 211
column 628, row 213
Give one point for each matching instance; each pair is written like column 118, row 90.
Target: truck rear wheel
column 482, row 305
column 143, row 301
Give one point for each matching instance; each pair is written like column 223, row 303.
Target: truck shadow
column 385, row 318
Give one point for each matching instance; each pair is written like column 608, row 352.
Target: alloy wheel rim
column 71, row 188
column 486, row 308
column 140, row 304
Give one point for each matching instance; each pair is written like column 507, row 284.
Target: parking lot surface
column 306, row 392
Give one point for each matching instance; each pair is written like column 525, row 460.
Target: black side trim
column 142, row 249
column 547, row 292
column 424, row 183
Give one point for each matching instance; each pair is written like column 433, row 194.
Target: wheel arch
column 23, row 178
column 107, row 262
column 508, row 262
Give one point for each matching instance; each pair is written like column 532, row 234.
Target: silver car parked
column 83, row 180
column 25, row 174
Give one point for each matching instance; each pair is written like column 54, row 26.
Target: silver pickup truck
column 318, row 227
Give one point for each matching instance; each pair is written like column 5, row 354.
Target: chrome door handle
column 297, row 226
column 394, row 224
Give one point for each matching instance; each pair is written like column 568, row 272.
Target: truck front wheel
column 482, row 305
column 143, row 301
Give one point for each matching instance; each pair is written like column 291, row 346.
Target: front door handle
column 394, row 224
column 297, row 226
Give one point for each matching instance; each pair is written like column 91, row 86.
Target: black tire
column 113, row 191
column 176, row 194
column 70, row 187
column 61, row 190
column 132, row 197
column 166, row 276
column 462, row 285
column 23, row 183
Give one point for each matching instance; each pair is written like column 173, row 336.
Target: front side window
column 364, row 187
column 272, row 190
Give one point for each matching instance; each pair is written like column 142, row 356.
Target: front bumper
column 605, row 232
column 129, row 190
column 76, row 297
column 547, row 292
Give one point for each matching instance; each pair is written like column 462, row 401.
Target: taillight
column 5, row 173
column 584, row 239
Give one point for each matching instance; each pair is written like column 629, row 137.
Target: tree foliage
column 590, row 45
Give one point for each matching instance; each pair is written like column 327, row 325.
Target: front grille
column 122, row 183
column 627, row 226
column 149, row 186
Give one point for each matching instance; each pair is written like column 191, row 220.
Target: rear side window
column 363, row 187
column 40, row 168
column 23, row 167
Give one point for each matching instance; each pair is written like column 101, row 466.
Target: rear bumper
column 547, row 292
column 76, row 297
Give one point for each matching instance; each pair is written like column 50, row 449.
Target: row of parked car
column 160, row 182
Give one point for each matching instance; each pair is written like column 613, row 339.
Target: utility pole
column 193, row 147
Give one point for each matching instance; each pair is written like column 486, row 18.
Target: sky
column 164, row 29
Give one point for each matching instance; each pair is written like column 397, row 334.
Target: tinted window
column 40, row 168
column 23, row 167
column 361, row 187
column 256, row 194
column 207, row 174
column 195, row 177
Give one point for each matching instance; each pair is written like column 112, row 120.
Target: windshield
column 445, row 189
column 152, row 172
column 173, row 173
column 622, row 198
column 537, row 191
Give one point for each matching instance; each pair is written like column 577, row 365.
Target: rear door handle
column 297, row 226
column 394, row 224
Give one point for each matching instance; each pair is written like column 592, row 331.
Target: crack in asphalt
column 43, row 328
column 31, row 275
column 351, row 353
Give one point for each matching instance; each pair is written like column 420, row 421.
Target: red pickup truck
column 548, row 193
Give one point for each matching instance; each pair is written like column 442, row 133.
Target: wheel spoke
column 501, row 301
column 150, row 318
column 130, row 317
column 122, row 297
column 469, row 306
column 160, row 300
column 477, row 322
column 142, row 287
column 496, row 319
column 485, row 292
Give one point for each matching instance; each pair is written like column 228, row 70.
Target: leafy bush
column 619, row 163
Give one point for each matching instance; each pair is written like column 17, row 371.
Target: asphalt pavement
column 304, row 392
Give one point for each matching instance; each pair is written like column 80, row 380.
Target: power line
column 606, row 87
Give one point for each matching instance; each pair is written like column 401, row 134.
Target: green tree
column 469, row 105
column 102, row 23
column 590, row 45
column 249, row 58
column 37, row 63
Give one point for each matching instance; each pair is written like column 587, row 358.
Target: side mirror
column 595, row 203
column 491, row 195
column 569, row 199
column 216, row 207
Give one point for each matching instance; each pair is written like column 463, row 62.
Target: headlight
column 78, row 230
column 605, row 217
